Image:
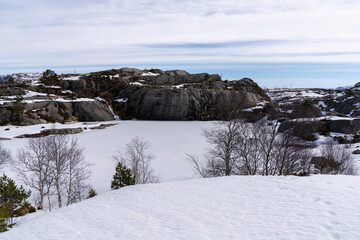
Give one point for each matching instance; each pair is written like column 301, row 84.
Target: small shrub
column 92, row 193
column 342, row 140
column 11, row 80
column 49, row 77
column 12, row 202
column 307, row 102
column 122, row 178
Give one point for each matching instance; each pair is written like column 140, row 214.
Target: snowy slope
column 239, row 207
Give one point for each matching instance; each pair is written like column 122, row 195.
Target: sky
column 295, row 43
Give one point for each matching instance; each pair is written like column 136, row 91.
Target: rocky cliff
column 166, row 95
column 132, row 93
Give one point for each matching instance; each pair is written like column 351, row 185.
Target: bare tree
column 77, row 173
column 136, row 158
column 54, row 166
column 290, row 155
column 5, row 156
column 58, row 154
column 244, row 148
column 250, row 148
column 223, row 153
column 267, row 134
column 34, row 167
column 338, row 159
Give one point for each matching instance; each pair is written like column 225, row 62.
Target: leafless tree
column 290, row 155
column 54, row 166
column 223, row 153
column 338, row 159
column 267, row 136
column 136, row 158
column 34, row 167
column 5, row 156
column 241, row 148
column 250, row 148
column 59, row 157
column 77, row 173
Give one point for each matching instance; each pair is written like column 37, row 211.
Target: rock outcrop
column 132, row 93
column 167, row 95
column 344, row 126
column 305, row 130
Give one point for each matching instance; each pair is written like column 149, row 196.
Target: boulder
column 179, row 104
column 357, row 151
column 303, row 129
column 344, row 126
column 48, row 132
column 91, row 111
column 305, row 111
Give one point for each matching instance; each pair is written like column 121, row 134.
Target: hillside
column 239, row 207
column 128, row 93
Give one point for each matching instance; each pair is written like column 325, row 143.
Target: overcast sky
column 295, row 43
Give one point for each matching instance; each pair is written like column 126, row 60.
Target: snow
column 170, row 141
column 150, row 74
column 322, row 104
column 123, row 100
column 136, row 83
column 237, row 207
column 114, row 76
column 178, row 86
column 251, row 109
column 72, row 78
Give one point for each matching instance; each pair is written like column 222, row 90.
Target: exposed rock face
column 167, row 95
column 48, row 132
column 344, row 126
column 150, row 94
column 303, row 129
column 305, row 111
column 92, row 111
column 54, row 111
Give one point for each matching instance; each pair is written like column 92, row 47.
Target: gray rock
column 344, row 126
column 303, row 129
column 92, row 111
column 2, row 138
column 357, row 151
column 48, row 132
column 180, row 104
column 103, row 126
column 305, row 111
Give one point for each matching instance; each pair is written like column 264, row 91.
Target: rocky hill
column 132, row 93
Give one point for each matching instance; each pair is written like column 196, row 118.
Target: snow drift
column 238, row 207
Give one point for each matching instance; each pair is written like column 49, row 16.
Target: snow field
column 170, row 141
column 237, row 207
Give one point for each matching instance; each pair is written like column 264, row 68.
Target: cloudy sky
column 298, row 43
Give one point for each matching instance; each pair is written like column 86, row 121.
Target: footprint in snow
column 332, row 213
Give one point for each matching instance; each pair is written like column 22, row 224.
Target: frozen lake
column 170, row 141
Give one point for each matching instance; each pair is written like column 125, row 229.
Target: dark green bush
column 50, row 78
column 12, row 202
column 122, row 178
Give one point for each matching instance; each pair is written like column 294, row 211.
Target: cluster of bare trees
column 138, row 160
column 335, row 159
column 5, row 156
column 240, row 148
column 55, row 167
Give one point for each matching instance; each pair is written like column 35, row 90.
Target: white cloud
column 82, row 32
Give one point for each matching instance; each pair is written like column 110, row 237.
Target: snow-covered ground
column 238, row 207
column 169, row 141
